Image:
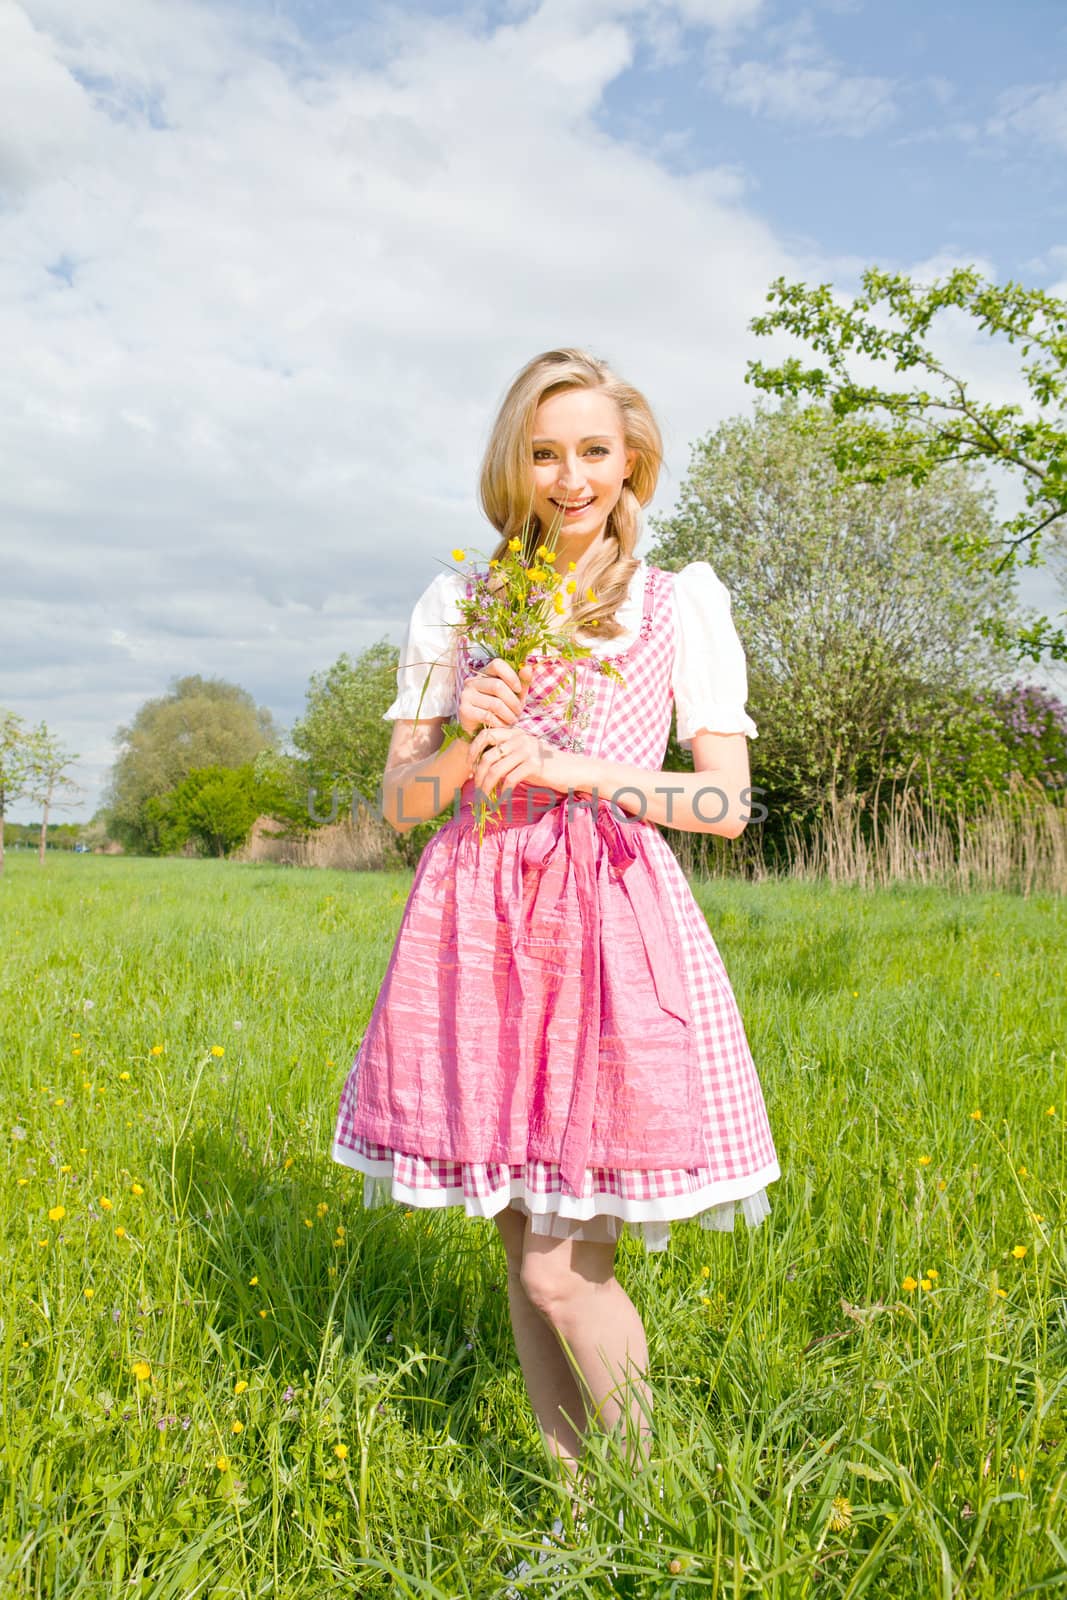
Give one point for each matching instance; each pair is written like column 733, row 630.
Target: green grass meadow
column 222, row 1377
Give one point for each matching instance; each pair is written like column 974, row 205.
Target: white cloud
column 1036, row 110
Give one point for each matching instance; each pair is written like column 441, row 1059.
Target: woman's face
column 579, row 461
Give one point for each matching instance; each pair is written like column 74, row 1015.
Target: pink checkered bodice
column 574, row 706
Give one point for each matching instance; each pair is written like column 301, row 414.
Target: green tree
column 17, row 749
column 902, row 433
column 48, row 778
column 858, row 615
column 199, row 723
column 342, row 734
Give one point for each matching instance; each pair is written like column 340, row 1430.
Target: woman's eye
column 594, row 449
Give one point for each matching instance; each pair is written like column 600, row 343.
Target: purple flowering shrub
column 1032, row 726
column 969, row 750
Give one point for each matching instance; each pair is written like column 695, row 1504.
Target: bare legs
column 563, row 1293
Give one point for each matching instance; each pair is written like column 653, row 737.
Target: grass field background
column 222, row 1377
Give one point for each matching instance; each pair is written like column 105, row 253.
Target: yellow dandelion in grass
column 77, row 1050
column 263, row 1313
column 64, row 1169
column 321, row 1209
column 135, row 1188
column 1019, row 1251
column 931, row 1272
column 22, row 1182
column 341, row 1452
column 514, row 544
column 156, row 1050
column 237, row 1427
column 1002, row 1293
column 340, row 1230
column 840, row 1514
column 287, row 1163
column 458, row 554
column 1051, row 1112
column 42, row 1244
column 141, row 1371
column 924, row 1161
column 120, row 1233
column 218, row 1049
column 925, row 1284
column 909, row 1285
column 59, row 1102
column 976, row 1114
column 75, row 1035
column 222, row 1463
column 1035, row 1216
column 240, row 1386
column 104, row 1203
column 252, row 1282
column 86, row 1084
column 705, row 1272
column 1023, row 1172
column 124, row 1077
column 331, row 1272
column 308, row 1223
column 942, row 1185
column 704, row 1300
column 57, row 1213
column 88, row 1293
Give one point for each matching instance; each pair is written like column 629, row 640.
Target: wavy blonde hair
column 506, row 482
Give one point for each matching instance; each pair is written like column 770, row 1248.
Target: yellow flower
column 840, row 1514
column 218, row 1049
column 135, row 1188
column 222, row 1463
column 909, row 1284
column 88, row 1293
column 458, row 554
column 141, row 1371
column 321, row 1209
column 77, row 1050
column 22, row 1182
column 1003, row 1293
column 104, row 1203
column 240, row 1386
column 287, row 1163
column 1019, row 1251
column 855, row 994
column 307, row 1222
column 570, row 586
column 237, row 1427
column 252, row 1282
column 1035, row 1216
column 924, row 1161
column 263, row 1313
column 704, row 1300
column 43, row 1243
column 1023, row 1172
column 124, row 1077
column 66, row 1169
column 976, row 1115
column 75, row 1035
column 926, row 1284
column 705, row 1272
column 157, row 1050
column 340, row 1230
column 1051, row 1112
column 571, row 566
column 514, row 544
column 559, row 603
column 942, row 1184
column 120, row 1233
column 537, row 574
column 341, row 1452
column 931, row 1272
column 494, row 562
column 59, row 1102
column 57, row 1213
column 590, row 594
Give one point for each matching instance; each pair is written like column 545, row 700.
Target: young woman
column 556, row 1043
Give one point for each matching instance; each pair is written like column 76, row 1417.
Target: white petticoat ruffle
column 562, row 1216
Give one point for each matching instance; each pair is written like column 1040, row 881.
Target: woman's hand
column 502, row 758
column 493, row 697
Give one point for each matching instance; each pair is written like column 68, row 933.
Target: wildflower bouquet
column 509, row 614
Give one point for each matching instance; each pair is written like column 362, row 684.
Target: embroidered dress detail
column 555, row 1029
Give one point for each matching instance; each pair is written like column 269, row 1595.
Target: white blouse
column 708, row 676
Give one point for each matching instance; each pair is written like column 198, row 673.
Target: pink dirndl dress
column 555, row 1030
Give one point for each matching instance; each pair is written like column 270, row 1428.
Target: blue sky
column 266, row 269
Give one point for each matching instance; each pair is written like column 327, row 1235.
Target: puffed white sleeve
column 710, row 680
column 429, row 650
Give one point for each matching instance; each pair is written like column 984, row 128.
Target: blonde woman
column 556, row 1044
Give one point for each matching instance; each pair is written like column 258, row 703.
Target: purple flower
column 289, row 1392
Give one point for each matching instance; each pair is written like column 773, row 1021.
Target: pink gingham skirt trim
column 611, row 1200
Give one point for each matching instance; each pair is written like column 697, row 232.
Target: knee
column 551, row 1285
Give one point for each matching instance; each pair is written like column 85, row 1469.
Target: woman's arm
column 712, row 799
column 420, row 778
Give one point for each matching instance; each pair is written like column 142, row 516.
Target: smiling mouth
column 579, row 505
